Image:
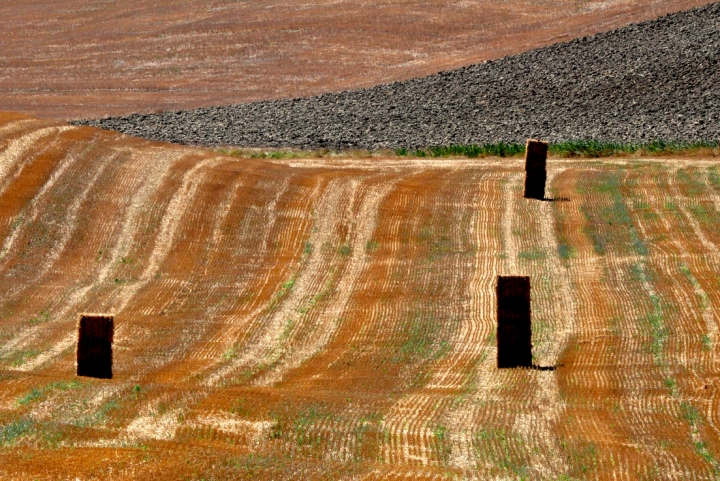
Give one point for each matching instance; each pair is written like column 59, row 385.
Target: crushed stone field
column 95, row 58
column 335, row 318
column 657, row 80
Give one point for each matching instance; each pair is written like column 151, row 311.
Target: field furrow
column 309, row 318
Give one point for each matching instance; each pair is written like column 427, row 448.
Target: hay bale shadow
column 555, row 199
column 536, row 367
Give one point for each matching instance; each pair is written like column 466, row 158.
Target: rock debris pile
column 657, row 80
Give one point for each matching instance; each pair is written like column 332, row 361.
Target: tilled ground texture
column 308, row 319
column 71, row 59
column 658, row 80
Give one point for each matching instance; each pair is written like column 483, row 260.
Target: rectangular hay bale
column 514, row 331
column 535, row 168
column 94, row 347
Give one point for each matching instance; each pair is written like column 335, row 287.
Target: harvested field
column 86, row 59
column 336, row 318
column 654, row 81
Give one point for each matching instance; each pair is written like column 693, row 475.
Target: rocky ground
column 656, row 80
column 95, row 59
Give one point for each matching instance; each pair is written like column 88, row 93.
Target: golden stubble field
column 335, row 318
column 69, row 59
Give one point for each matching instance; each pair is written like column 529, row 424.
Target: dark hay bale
column 535, row 155
column 535, row 169
column 94, row 347
column 535, row 184
column 514, row 332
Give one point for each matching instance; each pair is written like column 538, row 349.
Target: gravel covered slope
column 658, row 80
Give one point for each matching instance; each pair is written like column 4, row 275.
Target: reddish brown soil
column 72, row 59
column 317, row 319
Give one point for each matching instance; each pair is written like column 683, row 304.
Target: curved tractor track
column 336, row 318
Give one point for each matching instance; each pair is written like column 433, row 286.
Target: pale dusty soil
column 70, row 59
column 311, row 318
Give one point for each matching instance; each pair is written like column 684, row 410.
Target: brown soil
column 308, row 319
column 97, row 58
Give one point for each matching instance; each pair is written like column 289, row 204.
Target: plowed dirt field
column 335, row 318
column 86, row 59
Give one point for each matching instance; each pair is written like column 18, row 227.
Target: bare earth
column 77, row 59
column 309, row 319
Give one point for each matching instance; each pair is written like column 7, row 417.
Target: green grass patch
column 582, row 458
column 595, row 149
column 475, row 150
column 706, row 214
column 612, row 221
column 437, row 241
column 241, row 407
column 714, row 177
column 671, row 384
column 706, row 342
column 644, row 209
column 285, row 288
column 11, row 433
column 690, row 181
column 690, row 414
column 699, row 211
column 534, row 254
column 18, row 358
column 372, row 246
column 654, row 321
column 501, row 450
column 42, row 317
column 702, row 449
column 593, row 233
column 37, row 394
column 34, row 395
column 441, row 442
column 658, row 331
column 421, row 333
column 565, row 251
column 694, row 418
column 569, row 149
column 304, row 422
column 702, row 296
column 422, row 341
column 289, row 325
column 289, row 424
column 98, row 416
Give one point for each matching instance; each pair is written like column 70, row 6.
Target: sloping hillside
column 71, row 59
column 654, row 81
column 335, row 318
